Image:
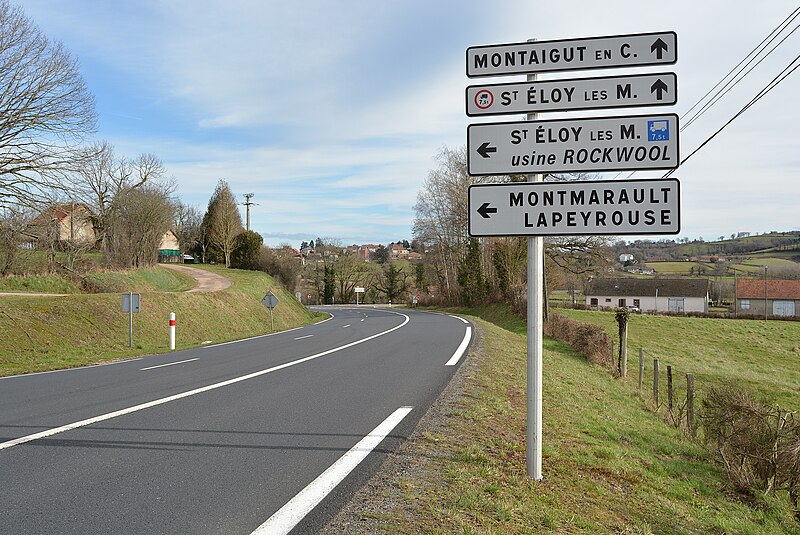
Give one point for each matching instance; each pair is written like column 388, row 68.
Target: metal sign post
column 131, row 303
column 270, row 301
column 534, row 147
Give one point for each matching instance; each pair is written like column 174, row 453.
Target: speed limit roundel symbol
column 484, row 99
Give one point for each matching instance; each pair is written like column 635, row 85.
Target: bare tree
column 189, row 228
column 141, row 217
column 45, row 110
column 101, row 177
column 223, row 220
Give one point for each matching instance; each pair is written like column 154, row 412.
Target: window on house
column 608, row 299
column 744, row 304
column 622, row 303
column 593, row 301
column 637, row 303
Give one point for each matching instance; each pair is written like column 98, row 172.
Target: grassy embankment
column 610, row 465
column 46, row 333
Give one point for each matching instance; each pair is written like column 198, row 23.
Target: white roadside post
column 535, row 325
column 172, row 331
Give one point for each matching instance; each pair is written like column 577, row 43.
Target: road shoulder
column 414, row 461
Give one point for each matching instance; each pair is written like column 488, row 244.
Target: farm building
column 63, row 223
column 650, row 295
column 782, row 297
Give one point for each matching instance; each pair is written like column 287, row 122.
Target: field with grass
column 762, row 356
column 46, row 333
column 610, row 465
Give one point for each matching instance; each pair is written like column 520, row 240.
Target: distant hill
column 773, row 245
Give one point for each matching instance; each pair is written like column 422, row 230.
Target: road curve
column 265, row 435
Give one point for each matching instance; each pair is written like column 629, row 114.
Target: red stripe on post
column 172, row 323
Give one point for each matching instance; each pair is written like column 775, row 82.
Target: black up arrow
column 484, row 210
column 659, row 47
column 485, row 149
column 659, row 87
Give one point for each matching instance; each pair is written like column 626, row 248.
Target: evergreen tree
column 470, row 275
column 247, row 251
column 223, row 221
column 329, row 284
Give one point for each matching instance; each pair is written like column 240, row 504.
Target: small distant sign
column 270, row 300
column 131, row 302
column 360, row 290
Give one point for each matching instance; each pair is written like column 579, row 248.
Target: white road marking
column 169, row 364
column 456, row 317
column 463, row 347
column 154, row 403
column 288, row 516
column 306, row 336
column 345, row 326
column 32, row 374
column 254, row 337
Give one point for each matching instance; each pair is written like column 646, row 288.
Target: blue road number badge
column 658, row 130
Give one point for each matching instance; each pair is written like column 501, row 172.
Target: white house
column 650, row 295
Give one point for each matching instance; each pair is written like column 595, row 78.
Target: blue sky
column 332, row 113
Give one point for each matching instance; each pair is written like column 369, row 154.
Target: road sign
column 575, row 94
column 573, row 54
column 270, row 300
column 131, row 302
column 359, row 290
column 597, row 207
column 561, row 145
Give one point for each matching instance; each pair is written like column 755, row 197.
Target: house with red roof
column 777, row 298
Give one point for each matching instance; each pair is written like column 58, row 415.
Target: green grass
column 154, row 279
column 55, row 284
column 609, row 465
column 46, row 333
column 763, row 356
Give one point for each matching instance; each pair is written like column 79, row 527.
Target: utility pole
column 248, row 203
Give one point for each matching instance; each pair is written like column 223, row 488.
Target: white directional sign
column 601, row 207
column 573, row 54
column 576, row 94
column 562, row 145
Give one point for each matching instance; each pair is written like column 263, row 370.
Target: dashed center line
column 345, row 326
column 168, row 364
column 306, row 336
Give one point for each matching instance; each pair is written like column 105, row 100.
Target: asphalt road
column 274, row 432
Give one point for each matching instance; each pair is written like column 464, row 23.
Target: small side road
column 206, row 281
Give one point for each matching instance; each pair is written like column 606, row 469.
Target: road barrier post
column 172, row 331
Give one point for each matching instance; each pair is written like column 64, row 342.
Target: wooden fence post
column 623, row 349
column 690, row 402
column 655, row 382
column 641, row 369
column 669, row 389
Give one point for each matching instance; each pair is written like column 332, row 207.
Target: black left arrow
column 485, row 149
column 659, row 47
column 484, row 210
column 659, row 87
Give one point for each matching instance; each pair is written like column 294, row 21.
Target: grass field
column 609, row 464
column 46, row 333
column 763, row 356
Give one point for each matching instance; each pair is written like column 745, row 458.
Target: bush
column 247, row 250
column 589, row 340
column 759, row 444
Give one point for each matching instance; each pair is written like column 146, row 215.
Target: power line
column 769, row 87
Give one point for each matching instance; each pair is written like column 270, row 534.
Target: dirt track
column 206, row 281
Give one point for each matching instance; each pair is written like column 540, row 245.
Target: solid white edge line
column 460, row 351
column 287, row 517
column 168, row 364
column 252, row 338
column 154, row 403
